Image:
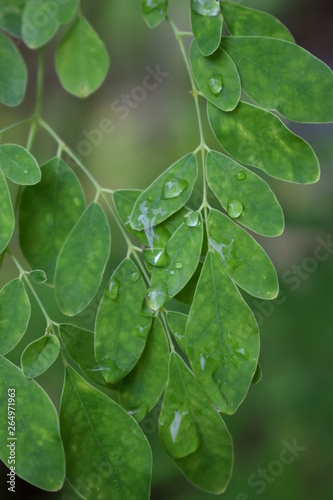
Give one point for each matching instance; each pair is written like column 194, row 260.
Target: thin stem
column 166, row 329
column 39, row 99
column 13, row 126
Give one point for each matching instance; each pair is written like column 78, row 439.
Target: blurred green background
column 293, row 402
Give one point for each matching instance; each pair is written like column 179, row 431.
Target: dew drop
column 26, row 171
column 191, row 219
column 174, row 187
column 240, row 176
column 209, row 8
column 235, row 209
column 135, row 276
column 112, row 290
column 172, row 272
column 156, row 257
column 141, row 331
column 157, row 295
column 216, row 85
column 179, row 265
column 150, row 5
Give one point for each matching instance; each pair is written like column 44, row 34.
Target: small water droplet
column 112, row 290
column 142, row 330
column 174, row 187
column 150, row 5
column 235, row 209
column 215, row 85
column 156, row 257
column 172, row 272
column 135, row 276
column 157, row 295
column 191, row 219
column 26, row 171
column 240, row 176
column 209, row 8
column 179, row 265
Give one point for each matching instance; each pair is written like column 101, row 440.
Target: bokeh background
column 293, row 402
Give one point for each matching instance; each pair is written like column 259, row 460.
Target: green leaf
column 242, row 257
column 80, row 346
column 141, row 389
column 154, row 11
column 82, row 260
column 38, row 356
column 186, row 295
column 39, row 453
column 48, row 212
column 182, row 254
column 11, row 16
column 166, row 195
column 38, row 276
column 122, row 327
column 67, row 10
column 177, row 324
column 282, row 76
column 13, row 78
column 257, row 376
column 14, row 314
column 107, row 454
column 231, row 181
column 193, row 433
column 217, row 77
column 208, row 8
column 7, row 219
column 207, row 31
column 222, row 338
column 19, row 165
column 243, row 21
column 39, row 22
column 259, row 138
column 82, row 61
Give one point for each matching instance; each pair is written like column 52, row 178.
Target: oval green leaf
column 141, row 389
column 182, row 254
column 283, row 77
column 19, row 165
column 82, row 61
column 230, row 181
column 14, row 314
column 259, row 138
column 222, row 338
column 38, row 276
column 242, row 257
column 177, row 324
column 7, row 219
column 13, row 78
column 243, row 21
column 166, row 195
column 99, row 435
column 47, row 213
column 80, row 346
column 38, row 356
column 154, row 11
column 122, row 326
column 39, row 22
column 207, row 31
column 67, row 10
column 217, row 77
column 193, row 432
column 39, row 452
column 82, row 260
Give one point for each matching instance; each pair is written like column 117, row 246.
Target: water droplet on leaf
column 191, row 219
column 156, row 257
column 216, row 85
column 150, row 5
column 157, row 295
column 240, row 176
column 235, row 209
column 26, row 171
column 135, row 276
column 112, row 290
column 209, row 8
column 172, row 271
column 174, row 187
column 179, row 265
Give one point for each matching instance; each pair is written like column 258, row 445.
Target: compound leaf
column 48, row 212
column 141, row 389
column 13, row 78
column 154, row 11
column 82, row 260
column 122, row 326
column 14, row 314
column 284, row 77
column 82, row 61
column 193, row 432
column 39, row 452
column 243, row 21
column 232, row 182
column 19, row 165
column 222, row 338
column 7, row 219
column 242, row 257
column 166, row 195
column 99, row 435
column 259, row 138
column 177, row 324
column 39, row 355
column 217, row 77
